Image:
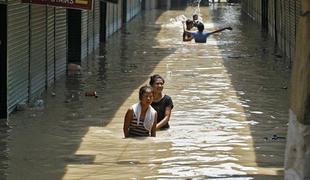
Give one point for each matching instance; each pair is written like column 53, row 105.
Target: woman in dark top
column 162, row 103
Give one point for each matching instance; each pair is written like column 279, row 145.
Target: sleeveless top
column 141, row 126
column 137, row 128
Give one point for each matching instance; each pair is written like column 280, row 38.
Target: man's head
column 195, row 17
column 200, row 27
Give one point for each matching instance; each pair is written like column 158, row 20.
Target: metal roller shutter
column 50, row 44
column 128, row 16
column 292, row 9
column 84, row 18
column 120, row 9
column 97, row 22
column 287, row 28
column 17, row 52
column 282, row 26
column 129, row 10
column 60, row 41
column 90, row 31
column 277, row 23
column 37, row 49
column 298, row 11
column 115, row 17
column 259, row 11
column 271, row 17
column 109, row 19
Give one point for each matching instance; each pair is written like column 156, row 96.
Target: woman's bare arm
column 165, row 119
column 127, row 120
column 153, row 130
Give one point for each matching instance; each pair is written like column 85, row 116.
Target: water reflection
column 228, row 95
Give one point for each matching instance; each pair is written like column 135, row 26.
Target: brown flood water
column 230, row 98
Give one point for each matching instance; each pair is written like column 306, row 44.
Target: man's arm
column 228, row 28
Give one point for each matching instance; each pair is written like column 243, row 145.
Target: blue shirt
column 200, row 37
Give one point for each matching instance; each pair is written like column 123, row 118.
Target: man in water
column 195, row 20
column 200, row 36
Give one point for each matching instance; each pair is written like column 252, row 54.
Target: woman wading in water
column 140, row 118
column 162, row 103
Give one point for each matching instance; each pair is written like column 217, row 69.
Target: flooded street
column 230, row 107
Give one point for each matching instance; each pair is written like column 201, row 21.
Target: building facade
column 38, row 41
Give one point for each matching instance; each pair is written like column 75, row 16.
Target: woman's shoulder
column 166, row 97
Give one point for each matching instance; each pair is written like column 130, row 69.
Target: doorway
column 3, row 61
column 74, row 36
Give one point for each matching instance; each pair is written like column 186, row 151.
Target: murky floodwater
column 230, row 99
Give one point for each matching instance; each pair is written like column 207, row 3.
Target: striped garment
column 137, row 130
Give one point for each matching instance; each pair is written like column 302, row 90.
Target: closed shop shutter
column 271, row 18
column 50, row 44
column 84, row 18
column 128, row 16
column 109, row 19
column 90, row 31
column 60, row 41
column 97, row 22
column 17, row 52
column 259, row 11
column 281, row 25
column 292, row 7
column 138, row 6
column 298, row 11
column 116, row 16
column 37, row 49
column 119, row 9
column 287, row 28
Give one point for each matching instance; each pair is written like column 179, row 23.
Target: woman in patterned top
column 140, row 118
column 162, row 103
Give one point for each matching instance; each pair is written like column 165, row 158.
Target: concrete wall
column 297, row 155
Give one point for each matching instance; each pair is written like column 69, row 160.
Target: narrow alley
column 229, row 119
